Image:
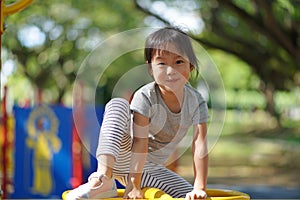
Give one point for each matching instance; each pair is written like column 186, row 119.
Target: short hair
column 170, row 35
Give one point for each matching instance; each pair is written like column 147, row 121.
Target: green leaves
column 50, row 39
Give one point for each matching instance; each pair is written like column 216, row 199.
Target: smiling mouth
column 172, row 80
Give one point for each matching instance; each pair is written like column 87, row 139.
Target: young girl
column 136, row 140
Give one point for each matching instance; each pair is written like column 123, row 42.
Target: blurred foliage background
column 254, row 43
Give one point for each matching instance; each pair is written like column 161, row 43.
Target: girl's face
column 170, row 69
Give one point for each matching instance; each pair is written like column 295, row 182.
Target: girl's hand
column 132, row 191
column 133, row 194
column 196, row 194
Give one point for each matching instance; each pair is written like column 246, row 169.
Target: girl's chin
column 171, row 88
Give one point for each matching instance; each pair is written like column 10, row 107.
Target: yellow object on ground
column 154, row 193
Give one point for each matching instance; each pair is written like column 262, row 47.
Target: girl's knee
column 119, row 100
column 118, row 104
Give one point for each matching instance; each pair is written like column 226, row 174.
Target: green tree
column 263, row 33
column 50, row 39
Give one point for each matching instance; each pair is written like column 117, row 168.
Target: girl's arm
column 139, row 154
column 200, row 155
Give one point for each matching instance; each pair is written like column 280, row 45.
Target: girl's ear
column 191, row 67
column 149, row 68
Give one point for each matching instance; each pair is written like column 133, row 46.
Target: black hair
column 170, row 35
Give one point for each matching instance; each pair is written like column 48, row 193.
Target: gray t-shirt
column 166, row 128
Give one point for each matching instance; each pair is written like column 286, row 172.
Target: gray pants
column 115, row 140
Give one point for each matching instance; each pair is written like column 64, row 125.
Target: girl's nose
column 170, row 70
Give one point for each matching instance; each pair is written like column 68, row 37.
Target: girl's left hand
column 196, row 194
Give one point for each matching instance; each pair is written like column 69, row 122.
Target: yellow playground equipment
column 10, row 9
column 154, row 193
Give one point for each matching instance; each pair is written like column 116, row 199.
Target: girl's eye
column 161, row 63
column 179, row 61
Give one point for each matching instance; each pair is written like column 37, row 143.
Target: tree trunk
column 269, row 91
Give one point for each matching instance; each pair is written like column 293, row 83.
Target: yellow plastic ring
column 156, row 194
